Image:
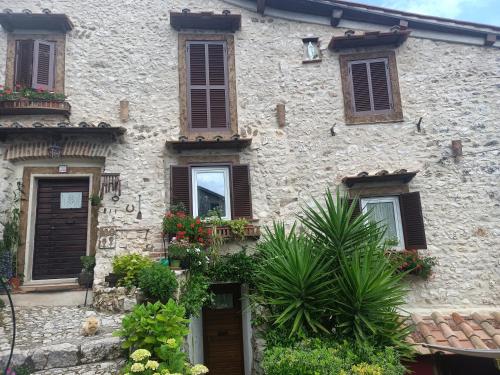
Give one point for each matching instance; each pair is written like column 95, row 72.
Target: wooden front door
column 222, row 331
column 60, row 228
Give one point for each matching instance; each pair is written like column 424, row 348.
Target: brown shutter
column 241, row 192
column 413, row 221
column 208, row 99
column 360, row 87
column 370, row 86
column 24, row 63
column 180, row 186
column 43, row 65
column 380, row 85
column 357, row 208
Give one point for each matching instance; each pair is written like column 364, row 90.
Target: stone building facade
column 121, row 69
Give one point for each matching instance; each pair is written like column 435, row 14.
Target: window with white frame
column 386, row 212
column 210, row 191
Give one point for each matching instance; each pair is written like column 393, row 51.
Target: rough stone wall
column 129, row 51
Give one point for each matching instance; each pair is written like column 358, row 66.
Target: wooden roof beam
column 261, row 6
column 336, row 17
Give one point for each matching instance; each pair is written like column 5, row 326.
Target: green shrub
column 157, row 283
column 159, row 329
column 368, row 294
column 128, row 267
column 295, row 281
column 316, row 357
column 238, row 267
column 195, row 294
column 196, row 259
column 88, row 263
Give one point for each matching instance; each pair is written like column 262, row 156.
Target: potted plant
column 95, row 200
column 86, row 276
column 112, row 279
column 177, row 252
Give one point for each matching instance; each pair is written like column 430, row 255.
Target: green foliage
column 186, row 228
column 196, row 259
column 95, row 200
column 20, row 92
column 159, row 329
column 195, row 294
column 367, row 296
column 237, row 227
column 128, row 267
column 178, row 249
column 336, row 228
column 88, row 263
column 21, row 370
column 10, row 238
column 295, row 280
column 316, row 357
column 238, row 267
column 2, row 304
column 157, row 283
column 409, row 261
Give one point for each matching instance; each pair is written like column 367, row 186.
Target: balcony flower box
column 27, row 101
column 250, row 232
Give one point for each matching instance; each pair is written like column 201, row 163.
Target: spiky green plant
column 295, row 281
column 338, row 228
column 368, row 295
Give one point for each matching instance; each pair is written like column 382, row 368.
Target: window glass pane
column 211, row 192
column 223, row 301
column 383, row 212
column 71, row 200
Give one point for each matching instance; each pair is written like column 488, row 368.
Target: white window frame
column 397, row 215
column 227, row 190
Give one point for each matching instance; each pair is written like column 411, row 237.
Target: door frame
column 31, row 223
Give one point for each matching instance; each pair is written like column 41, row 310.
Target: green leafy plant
column 238, row 267
column 325, row 357
column 95, row 200
column 197, row 259
column 10, row 239
column 20, row 92
column 88, row 263
column 158, row 328
column 411, row 262
column 337, row 228
column 295, row 280
column 157, row 283
column 195, row 293
column 237, row 227
column 368, row 295
column 186, row 228
column 128, row 267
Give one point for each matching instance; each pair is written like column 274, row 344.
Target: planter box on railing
column 250, row 232
column 34, row 107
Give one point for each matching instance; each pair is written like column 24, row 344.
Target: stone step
column 100, row 368
column 66, row 355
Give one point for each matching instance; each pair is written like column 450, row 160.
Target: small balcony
column 25, row 106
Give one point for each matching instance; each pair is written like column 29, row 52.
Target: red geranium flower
column 179, row 225
column 8, row 91
column 198, row 221
column 192, row 225
column 209, row 231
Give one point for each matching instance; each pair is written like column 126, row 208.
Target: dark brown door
column 61, row 227
column 222, row 331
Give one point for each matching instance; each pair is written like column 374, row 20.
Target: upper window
column 35, row 64
column 207, row 86
column 386, row 212
column 371, row 89
column 221, row 188
column 210, row 191
column 36, row 61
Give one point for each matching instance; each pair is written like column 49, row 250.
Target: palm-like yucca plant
column 295, row 281
column 338, row 228
column 368, row 294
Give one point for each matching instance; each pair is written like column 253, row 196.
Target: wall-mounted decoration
column 107, row 238
column 54, row 151
column 312, row 52
column 111, row 183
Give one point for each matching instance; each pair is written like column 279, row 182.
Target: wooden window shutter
column 370, row 85
column 207, row 85
column 180, row 186
column 43, row 65
column 241, row 192
column 413, row 221
column 357, row 208
column 24, row 63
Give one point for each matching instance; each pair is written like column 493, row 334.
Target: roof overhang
column 183, row 145
column 205, row 21
column 337, row 10
column 483, row 353
column 396, row 177
column 39, row 21
column 114, row 132
column 369, row 39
